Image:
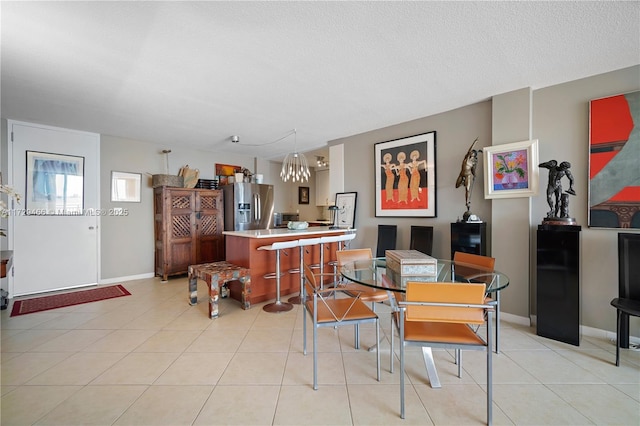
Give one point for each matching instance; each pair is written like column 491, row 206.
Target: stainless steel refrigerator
column 248, row 206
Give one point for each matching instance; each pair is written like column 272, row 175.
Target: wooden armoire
column 188, row 228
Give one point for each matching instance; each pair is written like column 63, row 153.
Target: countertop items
column 297, row 225
column 284, row 232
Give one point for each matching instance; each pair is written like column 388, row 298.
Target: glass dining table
column 374, row 273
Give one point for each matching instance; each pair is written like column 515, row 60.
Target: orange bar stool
column 303, row 244
column 278, row 306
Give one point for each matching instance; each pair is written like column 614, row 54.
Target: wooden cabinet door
column 209, row 226
column 180, row 244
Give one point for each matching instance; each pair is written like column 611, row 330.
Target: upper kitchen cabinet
column 323, row 196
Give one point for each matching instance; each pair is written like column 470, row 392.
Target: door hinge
column 12, row 136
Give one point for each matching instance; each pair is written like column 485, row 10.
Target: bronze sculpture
column 467, row 176
column 554, row 189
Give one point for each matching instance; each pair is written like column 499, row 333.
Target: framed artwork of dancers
column 405, row 181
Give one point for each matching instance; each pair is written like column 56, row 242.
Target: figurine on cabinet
column 467, row 177
column 557, row 200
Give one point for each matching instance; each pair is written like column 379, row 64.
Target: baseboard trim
column 127, row 278
column 596, row 332
column 516, row 319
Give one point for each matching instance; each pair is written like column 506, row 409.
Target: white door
column 53, row 251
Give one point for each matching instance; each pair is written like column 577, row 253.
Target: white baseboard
column 594, row 332
column 127, row 278
column 515, row 319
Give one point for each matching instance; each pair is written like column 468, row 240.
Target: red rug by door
column 38, row 304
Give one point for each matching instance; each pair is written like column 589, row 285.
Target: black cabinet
column 469, row 237
column 558, row 283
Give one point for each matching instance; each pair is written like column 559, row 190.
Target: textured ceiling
column 196, row 73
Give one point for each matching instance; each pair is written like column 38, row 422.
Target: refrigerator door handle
column 258, row 212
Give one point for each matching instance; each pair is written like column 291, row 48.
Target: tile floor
column 151, row 359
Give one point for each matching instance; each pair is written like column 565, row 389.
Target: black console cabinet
column 469, row 237
column 558, row 283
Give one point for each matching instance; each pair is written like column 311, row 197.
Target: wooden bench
column 217, row 274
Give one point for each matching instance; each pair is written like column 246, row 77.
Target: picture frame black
column 303, row 195
column 346, row 212
column 405, row 189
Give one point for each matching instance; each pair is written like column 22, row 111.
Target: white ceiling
column 196, row 73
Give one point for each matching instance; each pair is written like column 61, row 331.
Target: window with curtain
column 55, row 184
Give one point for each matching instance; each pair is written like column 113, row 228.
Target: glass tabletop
column 374, row 273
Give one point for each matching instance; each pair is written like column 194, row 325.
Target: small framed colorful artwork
column 511, row 170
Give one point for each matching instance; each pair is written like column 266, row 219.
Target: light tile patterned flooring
column 151, row 359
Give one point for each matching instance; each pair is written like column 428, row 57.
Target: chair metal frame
column 447, row 318
column 336, row 312
column 342, row 241
column 482, row 262
column 366, row 294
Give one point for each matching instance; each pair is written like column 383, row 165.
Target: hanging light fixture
column 321, row 162
column 295, row 165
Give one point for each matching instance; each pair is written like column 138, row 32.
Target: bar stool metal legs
column 303, row 244
column 278, row 305
column 342, row 241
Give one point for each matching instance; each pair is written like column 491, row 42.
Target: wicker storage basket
column 167, row 180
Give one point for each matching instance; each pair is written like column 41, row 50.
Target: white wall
column 127, row 242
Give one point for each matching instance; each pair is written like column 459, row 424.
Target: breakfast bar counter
column 242, row 250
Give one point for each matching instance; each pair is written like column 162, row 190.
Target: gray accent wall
column 558, row 116
column 511, row 217
column 455, row 131
column 561, row 122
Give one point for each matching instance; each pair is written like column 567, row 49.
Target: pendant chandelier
column 295, row 165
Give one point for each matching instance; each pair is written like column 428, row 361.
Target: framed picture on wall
column 614, row 146
column 511, row 170
column 405, row 176
column 125, row 187
column 303, row 195
column 346, row 212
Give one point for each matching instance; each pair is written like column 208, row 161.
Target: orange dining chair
column 366, row 294
column 482, row 270
column 440, row 315
column 332, row 312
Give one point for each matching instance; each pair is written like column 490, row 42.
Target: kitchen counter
column 286, row 232
column 320, row 223
column 242, row 250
